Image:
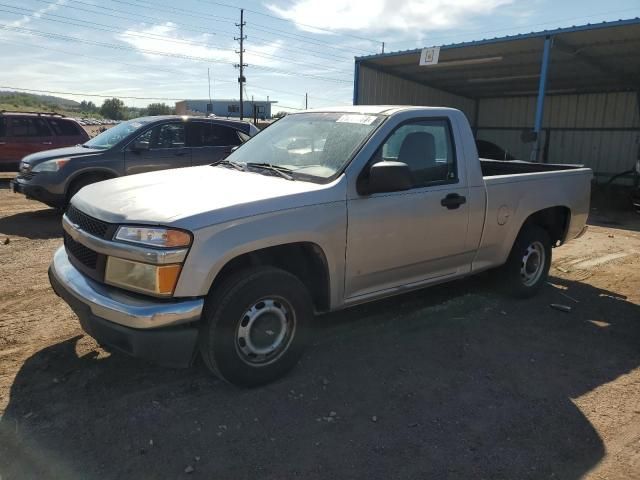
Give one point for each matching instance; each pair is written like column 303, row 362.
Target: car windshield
column 114, row 135
column 309, row 145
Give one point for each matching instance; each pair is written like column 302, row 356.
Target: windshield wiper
column 284, row 172
column 236, row 165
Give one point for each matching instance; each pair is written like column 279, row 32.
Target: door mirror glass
column 389, row 177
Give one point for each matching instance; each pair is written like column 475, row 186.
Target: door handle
column 47, row 143
column 453, row 201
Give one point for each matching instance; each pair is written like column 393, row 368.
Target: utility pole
column 306, row 101
column 241, row 65
column 382, row 47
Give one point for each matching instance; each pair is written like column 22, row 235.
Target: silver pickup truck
column 322, row 210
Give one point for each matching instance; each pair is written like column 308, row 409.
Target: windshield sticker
column 357, row 118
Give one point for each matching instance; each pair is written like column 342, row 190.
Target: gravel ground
column 452, row 382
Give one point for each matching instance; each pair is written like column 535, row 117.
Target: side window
column 203, row 134
column 168, row 135
column 426, row 147
column 28, row 127
column 64, row 127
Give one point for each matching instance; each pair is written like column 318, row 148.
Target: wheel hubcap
column 265, row 331
column 533, row 263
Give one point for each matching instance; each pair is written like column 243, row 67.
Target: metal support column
column 542, row 90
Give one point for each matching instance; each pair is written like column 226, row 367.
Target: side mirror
column 233, row 149
column 138, row 147
column 389, row 177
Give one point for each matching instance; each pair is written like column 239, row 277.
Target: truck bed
column 493, row 168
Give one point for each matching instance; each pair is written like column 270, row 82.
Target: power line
column 315, row 27
column 191, row 28
column 108, row 28
column 265, row 28
column 164, row 54
column 179, row 72
column 78, row 94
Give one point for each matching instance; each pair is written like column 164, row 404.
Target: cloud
column 164, row 38
column 385, row 15
column 38, row 13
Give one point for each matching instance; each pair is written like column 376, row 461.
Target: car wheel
column 527, row 267
column 255, row 326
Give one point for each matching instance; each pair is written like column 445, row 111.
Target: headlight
column 141, row 277
column 51, row 165
column 154, row 237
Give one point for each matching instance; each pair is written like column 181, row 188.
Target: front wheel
column 255, row 326
column 527, row 267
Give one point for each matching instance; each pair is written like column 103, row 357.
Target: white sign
column 429, row 56
column 357, row 118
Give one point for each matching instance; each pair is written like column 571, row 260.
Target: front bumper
column 37, row 192
column 160, row 331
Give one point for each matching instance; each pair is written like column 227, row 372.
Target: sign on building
column 429, row 56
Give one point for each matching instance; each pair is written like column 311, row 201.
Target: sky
column 147, row 51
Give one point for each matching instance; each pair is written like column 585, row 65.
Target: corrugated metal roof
column 588, row 58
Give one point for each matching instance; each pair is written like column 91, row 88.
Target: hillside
column 22, row 102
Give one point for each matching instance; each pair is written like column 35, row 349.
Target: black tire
column 522, row 276
column 234, row 309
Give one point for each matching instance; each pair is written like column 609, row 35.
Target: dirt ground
column 452, row 382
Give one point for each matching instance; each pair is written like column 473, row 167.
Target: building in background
column 569, row 95
column 226, row 108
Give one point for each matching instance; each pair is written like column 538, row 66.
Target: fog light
column 142, row 277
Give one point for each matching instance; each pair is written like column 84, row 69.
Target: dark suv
column 22, row 133
column 139, row 145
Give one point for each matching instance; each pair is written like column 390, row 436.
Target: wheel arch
column 555, row 220
column 102, row 173
column 306, row 260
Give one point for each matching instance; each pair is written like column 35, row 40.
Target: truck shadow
column 38, row 225
column 432, row 384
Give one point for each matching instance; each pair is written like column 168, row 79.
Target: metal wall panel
column 581, row 128
column 380, row 88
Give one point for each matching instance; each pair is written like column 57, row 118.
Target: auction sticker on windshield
column 357, row 118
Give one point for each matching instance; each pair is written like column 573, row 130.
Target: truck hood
column 67, row 152
column 197, row 197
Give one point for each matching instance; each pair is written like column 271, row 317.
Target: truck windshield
column 311, row 145
column 114, row 135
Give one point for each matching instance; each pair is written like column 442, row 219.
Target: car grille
column 82, row 254
column 91, row 225
column 26, row 175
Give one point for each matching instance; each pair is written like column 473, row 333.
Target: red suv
column 22, row 133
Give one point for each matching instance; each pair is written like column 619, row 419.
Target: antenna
column 209, row 80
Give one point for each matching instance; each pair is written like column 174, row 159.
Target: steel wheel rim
column 265, row 331
column 533, row 262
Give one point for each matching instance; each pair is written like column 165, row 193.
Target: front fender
column 213, row 247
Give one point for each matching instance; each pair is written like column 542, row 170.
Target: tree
column 280, row 115
column 113, row 108
column 158, row 109
column 88, row 107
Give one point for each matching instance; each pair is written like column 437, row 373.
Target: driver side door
column 402, row 239
column 158, row 148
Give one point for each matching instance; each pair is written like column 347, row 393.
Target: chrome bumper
column 114, row 305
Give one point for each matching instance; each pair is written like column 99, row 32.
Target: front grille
column 82, row 254
column 91, row 225
column 26, row 175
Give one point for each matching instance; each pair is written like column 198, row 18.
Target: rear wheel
column 255, row 326
column 528, row 265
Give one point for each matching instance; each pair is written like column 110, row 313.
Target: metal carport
column 577, row 88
